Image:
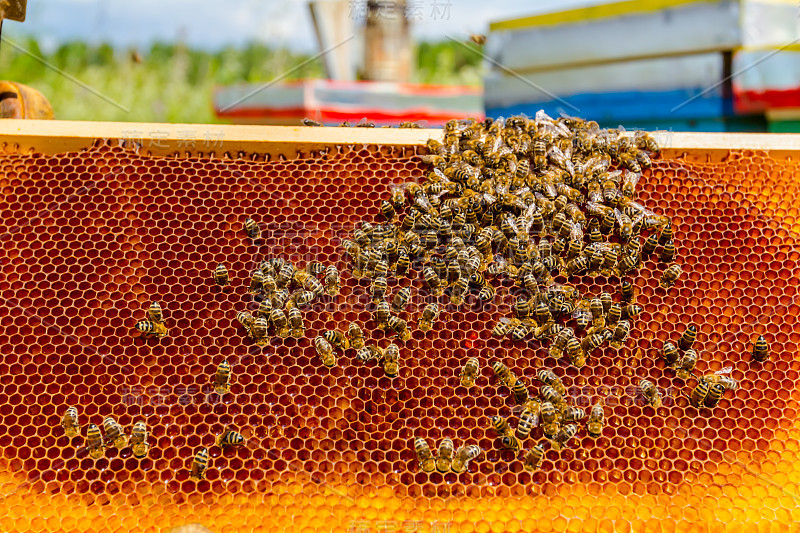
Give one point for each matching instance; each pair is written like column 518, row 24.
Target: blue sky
column 215, row 23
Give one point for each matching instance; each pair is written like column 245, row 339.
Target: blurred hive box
column 332, row 102
column 684, row 65
column 94, row 229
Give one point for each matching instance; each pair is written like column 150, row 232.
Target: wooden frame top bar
column 56, row 136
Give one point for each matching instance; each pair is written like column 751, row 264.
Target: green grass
column 173, row 83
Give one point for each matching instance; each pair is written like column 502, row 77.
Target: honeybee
column 670, row 276
column 222, row 378
column 649, row 245
column 391, row 360
column 151, row 329
column 325, row 351
column 310, row 123
column 400, row 328
column 401, row 299
column 331, row 280
column 687, row 337
column 549, row 419
column 260, row 328
column 486, row 294
column 596, row 308
column 575, row 352
column 355, row 335
column 548, row 377
column 594, row 340
column 534, row 457
column 504, row 375
column 246, row 320
column 631, row 311
column 520, row 392
column 230, row 438
column 368, row 353
column 527, row 419
column 114, row 432
column 457, row 291
column 500, row 425
column 284, row 276
column 256, row 282
column 463, row 456
column 382, row 314
column 295, row 320
column 139, row 444
column 387, row 209
column 70, row 422
column 542, row 313
column 760, row 349
column 572, row 414
column 699, row 393
column 251, row 228
column 670, row 353
column 470, row 372
column 424, row 455
column 510, row 442
column 478, row 39
column 666, row 234
column 444, row 456
column 667, row 252
column 221, row 275
column 687, row 364
column 594, row 426
column 94, row 442
column 268, row 284
column 433, row 281
column 714, row 395
column 337, row 339
column 550, row 394
column 562, row 437
column 650, row 392
column 199, row 464
column 726, row 381
column 614, row 314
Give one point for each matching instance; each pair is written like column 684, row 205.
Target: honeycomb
column 91, row 237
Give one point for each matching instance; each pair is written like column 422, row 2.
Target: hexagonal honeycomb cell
column 91, row 237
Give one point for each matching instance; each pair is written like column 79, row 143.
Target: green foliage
column 173, row 83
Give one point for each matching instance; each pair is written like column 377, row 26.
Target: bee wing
column 576, row 233
column 726, row 370
column 621, row 218
column 631, row 178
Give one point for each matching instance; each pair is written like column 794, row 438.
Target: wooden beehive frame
column 58, row 136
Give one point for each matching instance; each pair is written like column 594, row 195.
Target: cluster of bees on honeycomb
column 529, row 199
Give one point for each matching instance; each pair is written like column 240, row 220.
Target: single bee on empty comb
column 222, row 378
column 230, row 438
column 70, row 422
column 199, row 464
column 221, row 275
column 139, row 444
column 251, row 228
